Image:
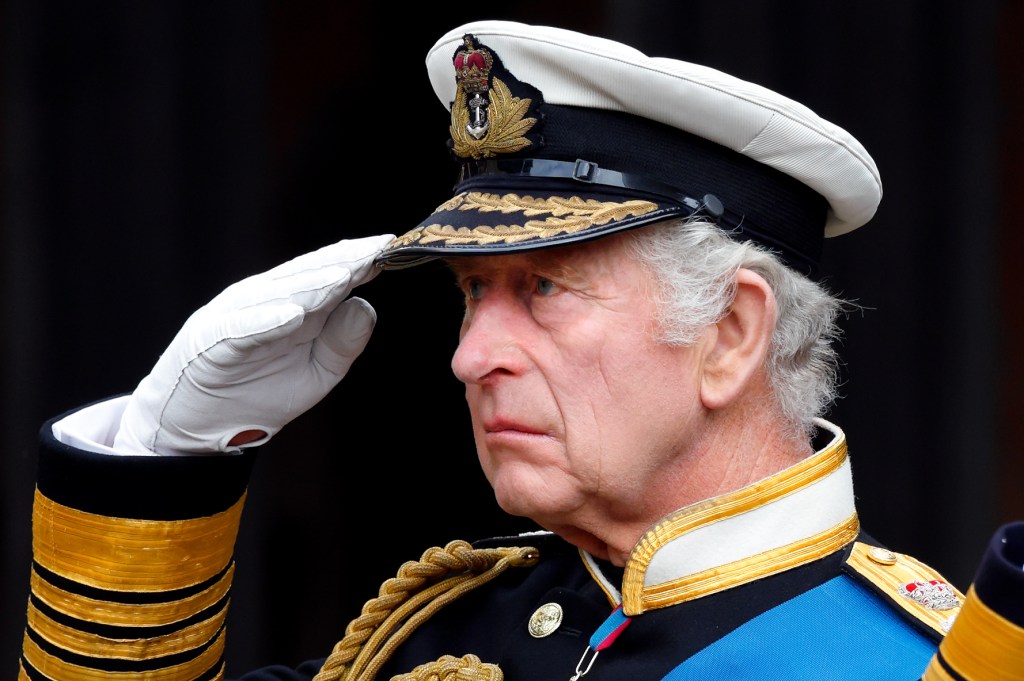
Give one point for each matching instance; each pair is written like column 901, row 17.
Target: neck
column 735, row 448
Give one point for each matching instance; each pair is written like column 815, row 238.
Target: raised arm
column 133, row 534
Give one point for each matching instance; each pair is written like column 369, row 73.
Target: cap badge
column 934, row 594
column 487, row 119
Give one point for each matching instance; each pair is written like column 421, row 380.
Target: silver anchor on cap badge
column 472, row 73
column 478, row 126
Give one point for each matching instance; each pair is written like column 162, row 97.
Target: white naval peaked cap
column 562, row 136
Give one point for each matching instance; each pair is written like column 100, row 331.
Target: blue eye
column 546, row 287
column 474, row 289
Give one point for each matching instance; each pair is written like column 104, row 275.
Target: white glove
column 262, row 352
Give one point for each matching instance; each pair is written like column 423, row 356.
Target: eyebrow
column 540, row 260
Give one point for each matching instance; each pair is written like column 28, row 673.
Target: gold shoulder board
column 909, row 584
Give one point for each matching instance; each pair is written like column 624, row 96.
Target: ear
column 739, row 342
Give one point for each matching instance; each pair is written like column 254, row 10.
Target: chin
column 516, row 505
column 529, row 501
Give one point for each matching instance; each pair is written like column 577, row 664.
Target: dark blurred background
column 155, row 152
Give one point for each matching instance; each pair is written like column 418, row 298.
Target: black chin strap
column 588, row 173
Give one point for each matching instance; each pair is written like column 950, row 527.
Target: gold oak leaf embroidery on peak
column 599, row 212
column 566, row 215
column 507, row 124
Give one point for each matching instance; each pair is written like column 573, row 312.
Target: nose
column 490, row 345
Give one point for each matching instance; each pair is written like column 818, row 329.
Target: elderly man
column 647, row 357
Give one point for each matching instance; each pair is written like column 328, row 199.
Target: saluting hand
column 262, row 352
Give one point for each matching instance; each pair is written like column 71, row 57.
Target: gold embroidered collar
column 796, row 516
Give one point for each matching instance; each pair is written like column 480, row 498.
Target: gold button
column 545, row 620
column 882, row 556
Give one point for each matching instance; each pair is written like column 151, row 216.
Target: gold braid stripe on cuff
column 128, row 614
column 55, row 668
column 23, row 675
column 91, row 645
column 125, row 554
column 935, row 672
column 982, row 645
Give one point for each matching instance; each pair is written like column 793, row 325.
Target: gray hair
column 696, row 262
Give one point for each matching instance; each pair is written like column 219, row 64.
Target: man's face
column 576, row 408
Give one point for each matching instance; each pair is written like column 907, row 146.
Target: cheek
column 640, row 376
column 589, row 389
column 472, row 402
column 472, row 395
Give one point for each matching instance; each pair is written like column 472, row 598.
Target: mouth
column 507, row 427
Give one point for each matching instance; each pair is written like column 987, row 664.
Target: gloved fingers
column 353, row 254
column 344, row 336
column 318, row 279
column 247, row 335
column 311, row 289
column 250, row 336
column 364, row 252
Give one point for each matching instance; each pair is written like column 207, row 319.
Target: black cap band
column 581, row 170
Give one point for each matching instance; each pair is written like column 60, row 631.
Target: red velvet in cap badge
column 488, row 118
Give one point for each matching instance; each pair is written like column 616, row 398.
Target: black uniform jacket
column 131, row 578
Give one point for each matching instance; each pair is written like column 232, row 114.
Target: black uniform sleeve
column 986, row 640
column 132, row 563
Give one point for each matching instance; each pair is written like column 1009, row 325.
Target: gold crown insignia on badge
column 473, row 66
column 487, row 119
